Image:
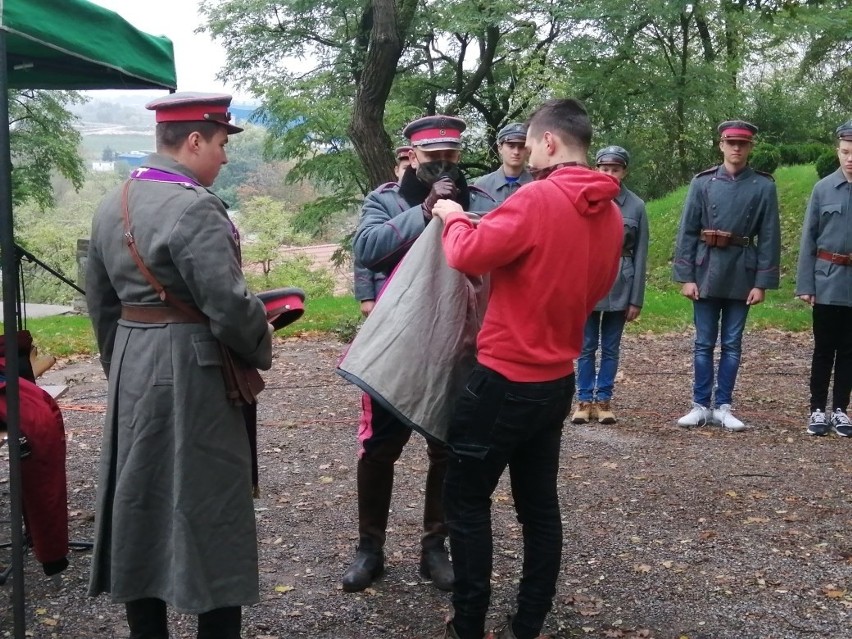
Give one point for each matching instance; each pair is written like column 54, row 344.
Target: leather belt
column 843, row 259
column 156, row 315
column 721, row 239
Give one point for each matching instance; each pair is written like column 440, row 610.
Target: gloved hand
column 443, row 189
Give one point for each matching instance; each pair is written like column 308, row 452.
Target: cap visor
column 230, row 128
column 440, row 146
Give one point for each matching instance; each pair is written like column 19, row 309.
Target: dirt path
column 669, row 533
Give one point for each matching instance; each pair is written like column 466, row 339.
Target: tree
column 43, row 141
column 266, row 227
column 376, row 66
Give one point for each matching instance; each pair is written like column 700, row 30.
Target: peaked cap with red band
column 283, row 305
column 435, row 132
column 190, row 106
column 402, row 152
column 737, row 130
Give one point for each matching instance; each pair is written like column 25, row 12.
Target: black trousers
column 147, row 620
column 499, row 423
column 832, row 326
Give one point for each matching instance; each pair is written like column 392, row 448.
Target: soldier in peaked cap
column 727, row 254
column 176, row 470
column 512, row 173
column 824, row 280
column 622, row 304
column 369, row 283
column 392, row 218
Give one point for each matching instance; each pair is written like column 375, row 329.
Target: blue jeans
column 499, row 423
column 708, row 313
column 604, row 328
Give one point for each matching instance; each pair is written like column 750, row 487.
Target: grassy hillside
column 665, row 309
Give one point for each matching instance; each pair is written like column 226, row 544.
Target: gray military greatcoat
column 367, row 284
column 392, row 219
column 827, row 227
column 745, row 205
column 175, row 518
column 496, row 186
column 629, row 286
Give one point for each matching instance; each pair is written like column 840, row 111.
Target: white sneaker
column 698, row 416
column 723, row 417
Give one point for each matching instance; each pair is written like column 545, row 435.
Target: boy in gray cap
column 727, row 254
column 622, row 304
column 512, row 173
column 824, row 280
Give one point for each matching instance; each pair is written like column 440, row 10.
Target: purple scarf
column 148, row 174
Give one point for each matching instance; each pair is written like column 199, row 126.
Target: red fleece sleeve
column 501, row 236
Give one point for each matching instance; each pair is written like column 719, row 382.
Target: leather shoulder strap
column 146, row 272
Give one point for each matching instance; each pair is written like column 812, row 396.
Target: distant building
column 133, row 158
column 103, row 167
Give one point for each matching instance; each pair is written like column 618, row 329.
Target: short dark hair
column 567, row 117
column 170, row 135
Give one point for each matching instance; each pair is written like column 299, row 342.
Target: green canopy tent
column 57, row 44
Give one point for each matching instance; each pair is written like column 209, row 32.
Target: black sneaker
column 840, row 422
column 818, row 425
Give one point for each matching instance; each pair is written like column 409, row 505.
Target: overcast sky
column 197, row 58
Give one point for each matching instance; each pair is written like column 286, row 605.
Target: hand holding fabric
column 443, row 189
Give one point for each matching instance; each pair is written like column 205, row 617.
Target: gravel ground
column 669, row 533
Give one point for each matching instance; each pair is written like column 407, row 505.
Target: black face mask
column 431, row 172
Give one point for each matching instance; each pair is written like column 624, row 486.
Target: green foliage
column 51, row 235
column 43, row 141
column 827, row 163
column 801, row 153
column 266, row 226
column 294, row 271
column 765, row 157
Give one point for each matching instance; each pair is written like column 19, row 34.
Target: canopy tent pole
column 10, row 326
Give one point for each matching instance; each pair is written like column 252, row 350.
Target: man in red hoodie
column 553, row 252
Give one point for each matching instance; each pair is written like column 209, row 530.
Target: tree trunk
column 389, row 28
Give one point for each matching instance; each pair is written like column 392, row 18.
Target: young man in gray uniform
column 368, row 284
column 513, row 173
column 392, row 218
column 622, row 304
column 175, row 520
column 824, row 280
column 727, row 254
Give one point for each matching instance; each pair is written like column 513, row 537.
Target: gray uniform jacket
column 368, row 284
column 174, row 517
column 496, row 186
column 828, row 226
column 391, row 219
column 745, row 205
column 629, row 286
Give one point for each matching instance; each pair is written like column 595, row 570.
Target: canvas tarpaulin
column 73, row 44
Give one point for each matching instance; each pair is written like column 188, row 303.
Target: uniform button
column 714, row 206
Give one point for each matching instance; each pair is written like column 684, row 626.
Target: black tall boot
column 434, row 559
column 375, row 485
column 147, row 619
column 221, row 623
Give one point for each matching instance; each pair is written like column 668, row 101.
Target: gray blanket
column 417, row 347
